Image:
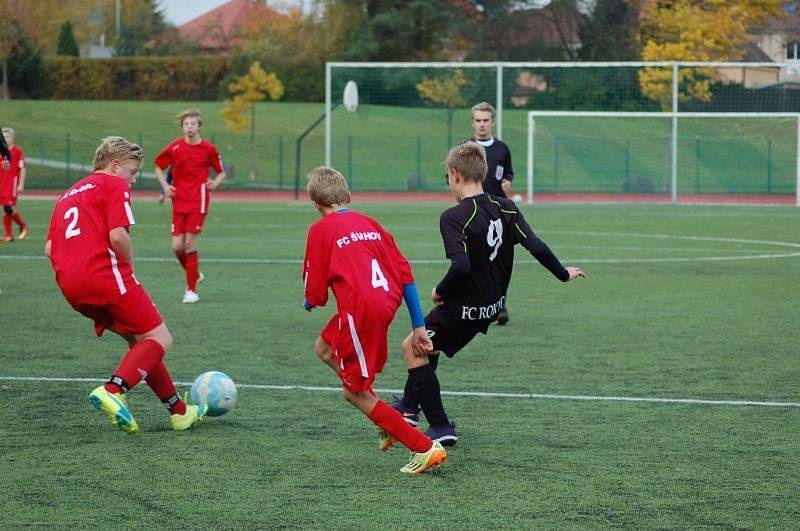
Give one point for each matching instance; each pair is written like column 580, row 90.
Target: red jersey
column 191, row 167
column 355, row 256
column 9, row 179
column 88, row 271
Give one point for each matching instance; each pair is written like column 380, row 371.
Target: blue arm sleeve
column 411, row 297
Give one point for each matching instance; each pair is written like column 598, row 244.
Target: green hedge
column 134, row 78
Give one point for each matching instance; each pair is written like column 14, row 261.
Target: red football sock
column 160, row 382
column 181, row 256
column 7, row 224
column 18, row 219
column 140, row 360
column 391, row 421
column 192, row 269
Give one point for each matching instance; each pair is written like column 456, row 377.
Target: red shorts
column 132, row 313
column 183, row 222
column 359, row 346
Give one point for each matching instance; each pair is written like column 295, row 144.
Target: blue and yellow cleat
column 193, row 415
column 115, row 406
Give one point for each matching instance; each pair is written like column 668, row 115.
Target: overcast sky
column 180, row 11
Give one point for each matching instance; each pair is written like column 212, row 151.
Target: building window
column 793, row 50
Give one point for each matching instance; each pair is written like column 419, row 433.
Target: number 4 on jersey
column 378, row 279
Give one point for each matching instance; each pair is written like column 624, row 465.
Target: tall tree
column 67, row 45
column 696, row 30
column 610, row 32
column 141, row 21
column 400, row 30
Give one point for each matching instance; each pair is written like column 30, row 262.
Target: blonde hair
column 190, row 113
column 327, row 187
column 468, row 159
column 484, row 106
column 10, row 131
column 115, row 147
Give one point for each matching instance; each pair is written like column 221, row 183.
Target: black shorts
column 450, row 334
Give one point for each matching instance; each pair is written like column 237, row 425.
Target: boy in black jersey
column 499, row 172
column 479, row 236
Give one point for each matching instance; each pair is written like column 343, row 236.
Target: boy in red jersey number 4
column 354, row 256
column 191, row 159
column 90, row 250
column 12, row 182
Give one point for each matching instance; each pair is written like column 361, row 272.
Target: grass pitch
column 681, row 302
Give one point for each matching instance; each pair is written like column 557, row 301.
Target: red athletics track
column 258, row 196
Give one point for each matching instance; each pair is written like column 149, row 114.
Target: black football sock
column 409, row 399
column 429, row 395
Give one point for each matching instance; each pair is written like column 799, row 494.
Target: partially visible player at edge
column 12, row 182
column 499, row 172
column 191, row 159
column 359, row 260
column 479, row 236
column 91, row 253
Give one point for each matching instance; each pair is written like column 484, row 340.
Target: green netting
column 717, row 155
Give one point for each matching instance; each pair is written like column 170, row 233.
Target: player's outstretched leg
column 8, row 236
column 145, row 354
column 182, row 416
column 23, row 227
column 423, row 387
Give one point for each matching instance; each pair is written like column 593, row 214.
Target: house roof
column 223, row 27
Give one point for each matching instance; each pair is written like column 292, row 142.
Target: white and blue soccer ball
column 216, row 390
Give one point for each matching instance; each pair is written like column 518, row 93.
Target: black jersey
column 498, row 161
column 487, row 228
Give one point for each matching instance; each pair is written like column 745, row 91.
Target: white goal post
column 674, row 119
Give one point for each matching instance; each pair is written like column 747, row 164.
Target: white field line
column 478, row 394
column 294, row 261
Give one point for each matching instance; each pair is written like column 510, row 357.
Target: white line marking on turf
column 290, row 261
column 481, row 394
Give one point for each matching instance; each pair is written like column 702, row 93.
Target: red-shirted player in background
column 354, row 256
column 90, row 250
column 191, row 159
column 12, row 182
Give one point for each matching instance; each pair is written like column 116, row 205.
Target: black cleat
column 444, row 435
column 411, row 416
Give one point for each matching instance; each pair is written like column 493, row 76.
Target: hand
column 575, row 272
column 421, row 344
column 436, row 298
column 212, row 184
column 505, row 184
column 169, row 191
column 20, row 188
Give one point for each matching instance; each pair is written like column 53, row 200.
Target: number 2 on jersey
column 495, row 237
column 378, row 279
column 71, row 228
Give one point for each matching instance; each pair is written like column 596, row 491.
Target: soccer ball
column 215, row 389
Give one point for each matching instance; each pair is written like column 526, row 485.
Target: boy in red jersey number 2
column 354, row 256
column 192, row 159
column 90, row 250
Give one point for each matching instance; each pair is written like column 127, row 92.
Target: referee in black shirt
column 500, row 173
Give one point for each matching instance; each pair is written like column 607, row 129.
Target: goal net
column 630, row 156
